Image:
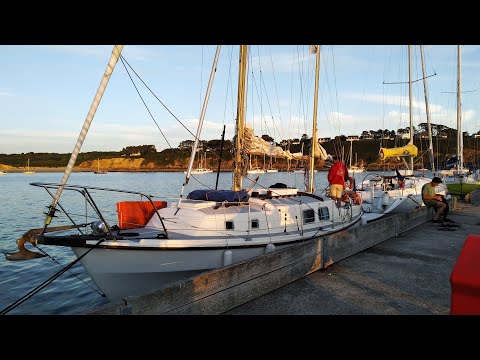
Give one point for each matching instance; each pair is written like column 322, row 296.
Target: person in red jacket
column 337, row 176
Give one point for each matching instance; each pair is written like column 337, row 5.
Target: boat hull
column 462, row 189
column 125, row 267
column 123, row 272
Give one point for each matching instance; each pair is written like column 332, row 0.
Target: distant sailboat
column 98, row 169
column 28, row 171
column 3, row 172
column 462, row 182
column 202, row 166
column 354, row 169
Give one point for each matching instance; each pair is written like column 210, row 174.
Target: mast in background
column 410, row 100
column 429, row 125
column 314, row 49
column 459, row 112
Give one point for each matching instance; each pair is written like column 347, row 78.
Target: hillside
column 177, row 159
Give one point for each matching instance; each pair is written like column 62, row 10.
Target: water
column 22, row 208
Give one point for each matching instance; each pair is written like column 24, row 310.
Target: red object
column 465, row 279
column 135, row 214
column 338, row 174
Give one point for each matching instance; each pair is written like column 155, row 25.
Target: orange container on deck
column 465, row 279
column 134, row 214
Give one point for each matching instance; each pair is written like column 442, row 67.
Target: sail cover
column 219, row 195
column 407, row 150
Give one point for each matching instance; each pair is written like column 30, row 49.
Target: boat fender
column 363, row 220
column 356, row 198
column 385, row 199
column 227, row 257
column 269, row 248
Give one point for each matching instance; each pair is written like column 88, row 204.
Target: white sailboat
column 397, row 193
column 28, row 171
column 460, row 181
column 255, row 169
column 207, row 230
column 98, row 169
column 354, row 169
column 202, row 166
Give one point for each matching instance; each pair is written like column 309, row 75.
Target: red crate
column 134, row 214
column 465, row 279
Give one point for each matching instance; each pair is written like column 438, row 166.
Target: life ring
column 357, row 199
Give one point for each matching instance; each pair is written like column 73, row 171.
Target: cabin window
column 323, row 213
column 255, row 224
column 229, row 225
column 308, row 216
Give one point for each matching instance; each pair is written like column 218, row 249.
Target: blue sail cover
column 219, row 195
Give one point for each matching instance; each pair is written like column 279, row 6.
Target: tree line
column 366, row 148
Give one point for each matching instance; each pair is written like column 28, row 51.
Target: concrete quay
column 404, row 275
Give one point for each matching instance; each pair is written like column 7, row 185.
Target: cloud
column 83, row 50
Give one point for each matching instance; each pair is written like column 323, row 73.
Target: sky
column 46, row 92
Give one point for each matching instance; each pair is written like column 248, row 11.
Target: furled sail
column 255, row 145
column 407, row 150
column 320, row 151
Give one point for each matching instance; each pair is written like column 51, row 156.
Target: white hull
column 355, row 170
column 257, row 171
column 200, row 171
column 121, row 273
column 388, row 198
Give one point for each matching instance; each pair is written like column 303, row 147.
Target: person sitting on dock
column 431, row 199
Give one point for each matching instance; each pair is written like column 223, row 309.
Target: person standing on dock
column 337, row 176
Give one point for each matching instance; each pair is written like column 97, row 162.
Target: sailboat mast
column 429, row 125
column 314, row 142
column 459, row 112
column 202, row 117
column 351, row 153
column 200, row 125
column 117, row 49
column 242, row 93
column 410, row 99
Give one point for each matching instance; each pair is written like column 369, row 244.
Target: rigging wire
column 125, row 61
column 276, row 92
column 161, row 102
column 47, row 282
column 138, row 92
column 78, row 277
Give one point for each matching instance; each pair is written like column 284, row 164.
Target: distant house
column 135, row 154
column 477, row 136
column 324, row 140
column 367, row 137
column 353, row 138
column 404, row 136
column 442, row 135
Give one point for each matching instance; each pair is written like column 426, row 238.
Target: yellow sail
column 407, row 150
